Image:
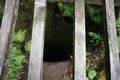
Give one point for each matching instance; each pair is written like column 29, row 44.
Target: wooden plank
column 8, row 23
column 112, row 40
column 94, row 2
column 6, row 61
column 36, row 53
column 80, row 41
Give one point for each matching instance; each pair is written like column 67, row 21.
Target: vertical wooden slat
column 36, row 53
column 80, row 41
column 8, row 23
column 112, row 40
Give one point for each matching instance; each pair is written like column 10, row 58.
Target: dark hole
column 2, row 4
column 58, row 35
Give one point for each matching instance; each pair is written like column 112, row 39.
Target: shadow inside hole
column 2, row 4
column 58, row 44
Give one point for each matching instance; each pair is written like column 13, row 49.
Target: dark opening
column 58, row 35
column 2, row 4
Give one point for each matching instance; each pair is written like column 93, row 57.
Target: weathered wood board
column 112, row 40
column 37, row 45
column 94, row 2
column 80, row 41
column 7, row 26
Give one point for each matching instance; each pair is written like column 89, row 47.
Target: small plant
column 118, row 29
column 95, row 38
column 66, row 10
column 19, row 36
column 27, row 46
column 118, row 22
column 92, row 74
column 16, row 62
column 17, row 57
column 97, row 42
column 94, row 14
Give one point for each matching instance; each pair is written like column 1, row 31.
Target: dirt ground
column 61, row 70
column 57, row 70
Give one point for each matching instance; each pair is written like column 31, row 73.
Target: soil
column 57, row 70
column 61, row 70
column 95, row 59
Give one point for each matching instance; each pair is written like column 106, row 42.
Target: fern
column 94, row 14
column 19, row 36
column 27, row 46
column 17, row 58
column 16, row 62
column 66, row 9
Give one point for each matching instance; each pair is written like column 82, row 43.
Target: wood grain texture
column 112, row 40
column 94, row 2
column 80, row 41
column 36, row 53
column 9, row 45
column 8, row 24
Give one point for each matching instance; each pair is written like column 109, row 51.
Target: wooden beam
column 7, row 26
column 94, row 2
column 80, row 41
column 112, row 40
column 36, row 52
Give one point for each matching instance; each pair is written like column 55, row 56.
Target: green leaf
column 95, row 36
column 16, row 61
column 95, row 14
column 60, row 5
column 119, row 43
column 97, row 19
column 19, row 36
column 27, row 46
column 66, row 10
column 91, row 11
column 92, row 74
column 118, row 20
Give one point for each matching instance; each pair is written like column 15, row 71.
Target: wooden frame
column 38, row 31
column 94, row 2
column 113, row 54
column 80, row 41
column 7, row 27
column 37, row 45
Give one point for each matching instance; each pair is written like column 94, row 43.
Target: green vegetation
column 21, row 47
column 66, row 10
column 95, row 14
column 92, row 74
column 118, row 29
column 17, row 57
column 27, row 46
column 95, row 40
